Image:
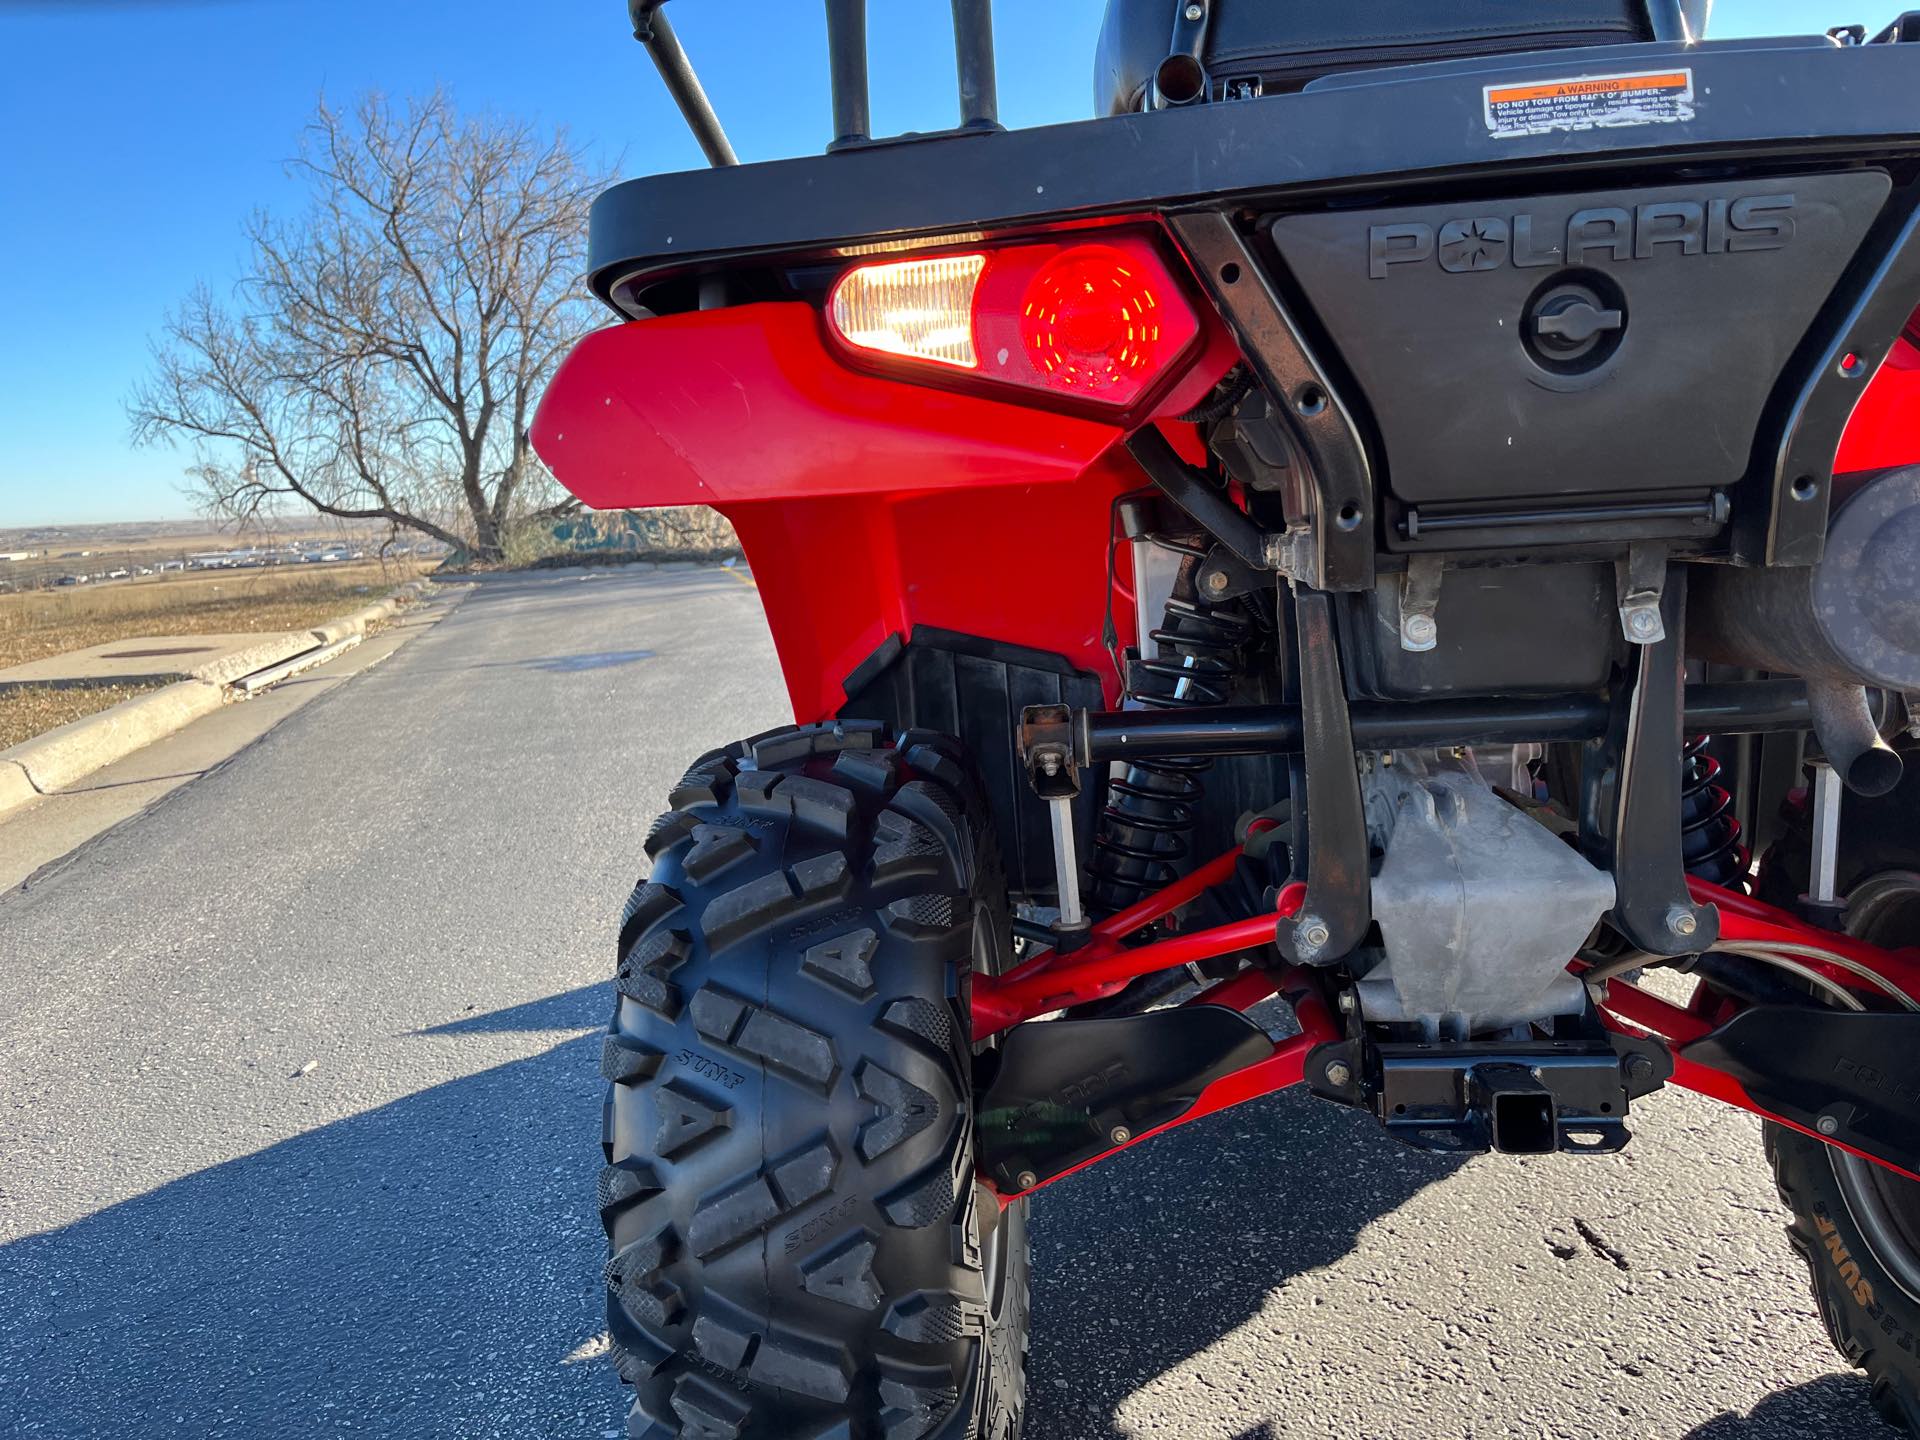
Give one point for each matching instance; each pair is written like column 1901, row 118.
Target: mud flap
column 1849, row 1077
column 1068, row 1090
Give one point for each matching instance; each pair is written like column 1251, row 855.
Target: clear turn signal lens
column 922, row 309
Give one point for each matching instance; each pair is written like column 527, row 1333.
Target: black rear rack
column 847, row 52
column 1795, row 99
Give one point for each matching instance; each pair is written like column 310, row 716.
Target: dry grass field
column 27, row 713
column 289, row 597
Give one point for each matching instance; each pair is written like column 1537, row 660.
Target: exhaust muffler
column 1851, row 621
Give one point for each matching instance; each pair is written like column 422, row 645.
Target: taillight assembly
column 1099, row 323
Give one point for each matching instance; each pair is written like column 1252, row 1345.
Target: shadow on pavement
column 1833, row 1405
column 428, row 1268
column 1155, row 1255
column 431, row 1267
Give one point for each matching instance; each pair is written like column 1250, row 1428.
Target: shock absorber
column 1711, row 844
column 1146, row 829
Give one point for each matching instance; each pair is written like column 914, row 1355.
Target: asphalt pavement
column 299, row 1115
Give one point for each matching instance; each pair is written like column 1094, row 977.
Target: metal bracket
column 1340, row 549
column 1630, row 802
column 1642, row 577
column 1528, row 1096
column 1048, row 752
column 1334, row 917
column 1789, row 525
column 1904, row 30
column 1419, row 598
column 1224, row 575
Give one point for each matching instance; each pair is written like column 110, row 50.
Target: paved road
column 298, row 1120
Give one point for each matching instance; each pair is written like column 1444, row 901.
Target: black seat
column 1263, row 46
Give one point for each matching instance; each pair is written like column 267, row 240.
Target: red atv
column 1415, row 516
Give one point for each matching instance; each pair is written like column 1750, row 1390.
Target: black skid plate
column 1068, row 1090
column 1849, row 1077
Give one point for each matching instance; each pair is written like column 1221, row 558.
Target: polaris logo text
column 1605, row 232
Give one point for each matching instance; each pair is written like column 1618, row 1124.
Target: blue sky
column 139, row 133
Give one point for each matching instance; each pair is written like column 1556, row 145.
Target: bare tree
column 385, row 349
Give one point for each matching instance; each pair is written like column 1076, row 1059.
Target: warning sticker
column 1592, row 102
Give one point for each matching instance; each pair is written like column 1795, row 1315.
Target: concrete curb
column 73, row 751
column 15, row 788
column 270, row 651
column 335, row 631
column 575, row 572
column 305, row 660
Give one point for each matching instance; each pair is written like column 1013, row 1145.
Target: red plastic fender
column 717, row 407
column 867, row 505
column 1884, row 429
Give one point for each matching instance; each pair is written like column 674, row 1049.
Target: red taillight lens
column 1100, row 323
column 1090, row 322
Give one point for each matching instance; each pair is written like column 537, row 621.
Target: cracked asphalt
column 299, row 1122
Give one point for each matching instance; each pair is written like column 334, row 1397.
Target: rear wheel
column 1857, row 1224
column 799, row 1250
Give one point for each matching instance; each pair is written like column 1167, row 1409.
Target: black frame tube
column 651, row 29
column 847, row 63
column 1744, row 708
column 1667, row 20
column 1181, row 78
column 1191, row 491
column 973, row 60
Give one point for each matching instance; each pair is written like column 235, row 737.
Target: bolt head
column 1120, row 1135
column 1315, row 934
column 1420, row 629
column 1194, row 12
column 1643, row 622
column 1049, row 764
column 1639, row 1067
column 1338, row 1073
column 1025, row 1180
column 1218, row 580
column 1682, row 921
column 1827, row 1125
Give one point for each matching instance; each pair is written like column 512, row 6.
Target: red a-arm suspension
column 1057, row 980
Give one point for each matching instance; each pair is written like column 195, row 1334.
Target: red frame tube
column 1055, row 980
column 1629, row 1009
column 1104, row 965
column 1745, row 919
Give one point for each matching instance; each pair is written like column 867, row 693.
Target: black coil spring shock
column 1146, row 829
column 1711, row 844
